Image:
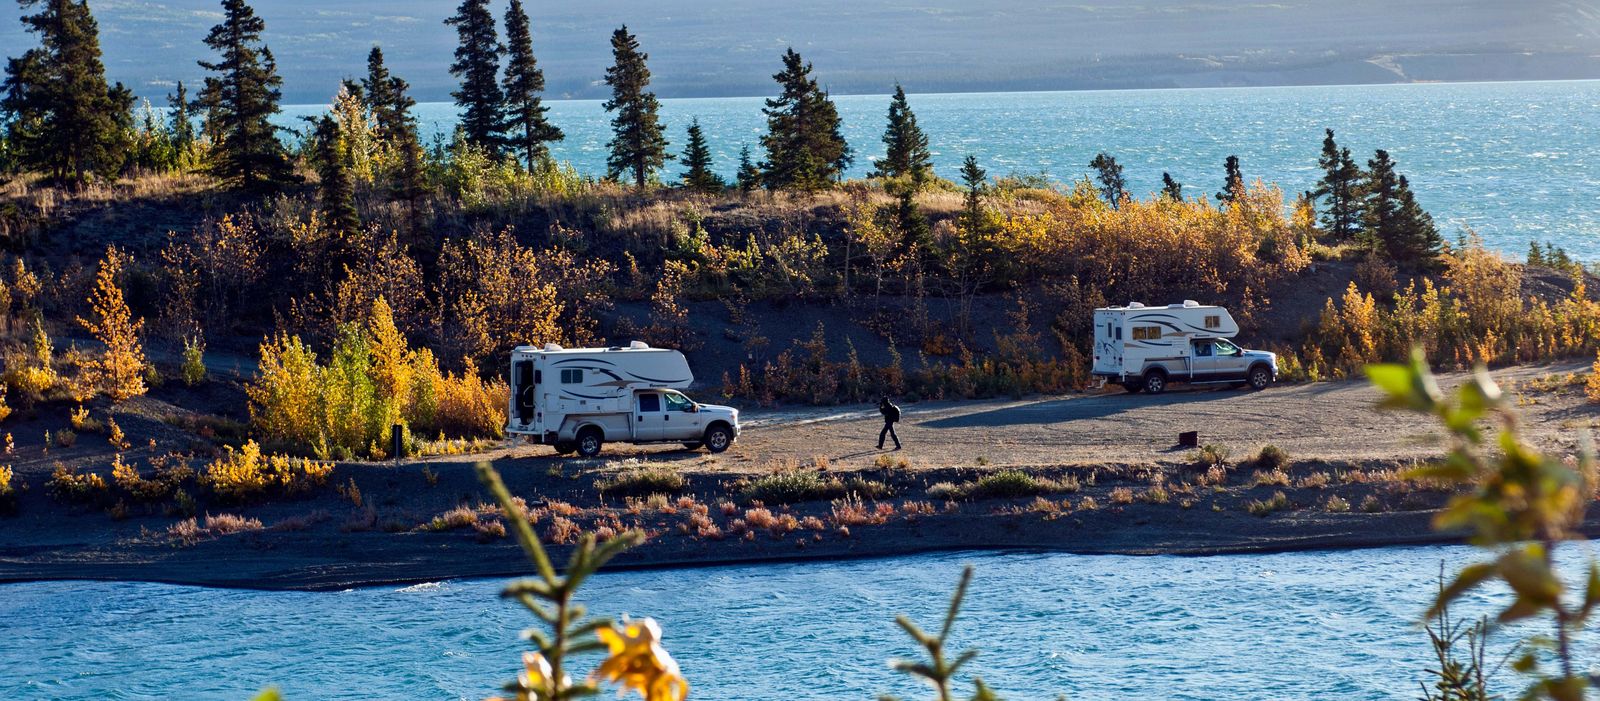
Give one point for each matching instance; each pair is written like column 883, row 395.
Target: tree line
column 62, row 117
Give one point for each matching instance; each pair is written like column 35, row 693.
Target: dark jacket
column 891, row 413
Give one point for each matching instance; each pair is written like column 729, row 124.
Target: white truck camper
column 1146, row 348
column 576, row 399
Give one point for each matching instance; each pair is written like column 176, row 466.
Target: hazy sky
column 731, row 47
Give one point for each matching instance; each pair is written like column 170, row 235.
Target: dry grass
column 1337, row 504
column 1121, row 495
column 1278, row 502
column 1269, row 478
column 561, row 531
column 1315, row 480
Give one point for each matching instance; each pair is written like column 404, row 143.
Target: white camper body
column 575, row 399
column 1144, row 348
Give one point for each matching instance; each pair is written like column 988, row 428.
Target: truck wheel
column 564, row 447
column 589, row 441
column 718, row 438
column 691, row 445
column 1260, row 377
column 1155, row 382
column 1133, row 387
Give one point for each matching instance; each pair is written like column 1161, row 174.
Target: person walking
column 891, row 416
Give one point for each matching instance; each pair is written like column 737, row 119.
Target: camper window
column 1214, row 322
column 1146, row 333
column 571, row 377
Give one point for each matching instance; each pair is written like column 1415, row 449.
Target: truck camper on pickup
column 1146, row 348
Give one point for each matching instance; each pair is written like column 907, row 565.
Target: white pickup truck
column 1147, row 348
column 576, row 400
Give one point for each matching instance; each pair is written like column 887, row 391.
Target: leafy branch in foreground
column 1521, row 505
column 939, row 670
column 1459, row 678
column 636, row 659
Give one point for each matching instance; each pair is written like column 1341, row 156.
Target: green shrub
column 641, row 481
column 1278, row 502
column 194, row 364
column 1212, row 455
column 1272, row 457
column 793, row 487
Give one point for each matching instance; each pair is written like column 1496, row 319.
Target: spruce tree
column 1391, row 219
column 385, row 97
column 749, row 176
column 529, row 131
column 1112, row 186
column 1234, row 187
column 1340, row 186
column 240, row 99
column 639, row 144
column 63, row 118
column 477, row 66
column 974, row 178
column 805, row 149
column 906, row 146
column 1170, row 188
column 697, row 158
column 181, row 118
column 337, row 191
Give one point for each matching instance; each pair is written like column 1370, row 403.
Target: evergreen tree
column 385, row 97
column 916, row 236
column 1170, row 188
column 477, row 66
column 338, row 192
column 529, row 129
column 805, row 149
column 63, row 118
column 181, row 117
column 1340, row 185
column 749, row 176
column 1235, row 183
column 240, row 99
column 1112, row 187
column 974, row 177
column 697, row 158
column 907, row 147
column 639, row 144
column 1391, row 219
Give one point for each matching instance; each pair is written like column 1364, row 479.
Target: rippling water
column 1515, row 161
column 1325, row 625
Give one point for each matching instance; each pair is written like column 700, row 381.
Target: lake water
column 1514, row 161
column 1320, row 625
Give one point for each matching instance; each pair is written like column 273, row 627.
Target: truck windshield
column 677, row 402
column 1226, row 348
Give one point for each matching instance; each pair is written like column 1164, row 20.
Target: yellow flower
column 534, row 681
column 639, row 662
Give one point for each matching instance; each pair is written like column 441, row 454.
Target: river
column 1312, row 625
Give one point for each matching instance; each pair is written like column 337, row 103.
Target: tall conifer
column 529, row 131
column 906, row 145
column 697, row 158
column 638, row 145
column 1234, row 185
column 805, row 148
column 62, row 116
column 240, row 99
column 337, row 190
column 477, row 66
column 749, row 176
column 1171, row 188
column 1340, row 188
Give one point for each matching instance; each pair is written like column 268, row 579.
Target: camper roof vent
column 552, row 346
column 1135, row 305
column 638, row 345
column 1190, row 303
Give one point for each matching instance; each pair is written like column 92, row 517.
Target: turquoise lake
column 1315, row 625
column 1512, row 161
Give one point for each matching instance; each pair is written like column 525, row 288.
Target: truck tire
column 1260, row 377
column 718, row 437
column 1133, row 387
column 691, row 445
column 1155, row 381
column 564, row 447
column 589, row 442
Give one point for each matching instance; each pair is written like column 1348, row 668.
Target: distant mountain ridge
column 710, row 48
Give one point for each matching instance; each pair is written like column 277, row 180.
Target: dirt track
column 1328, row 420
